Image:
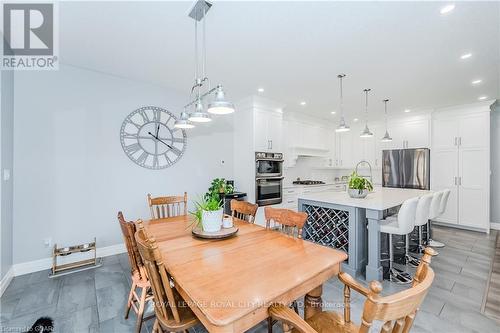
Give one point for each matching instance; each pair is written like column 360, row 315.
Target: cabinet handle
column 459, row 140
column 460, row 181
column 456, row 141
column 455, row 180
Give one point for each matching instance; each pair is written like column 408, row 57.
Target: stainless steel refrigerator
column 406, row 168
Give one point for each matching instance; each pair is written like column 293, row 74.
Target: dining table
column 230, row 283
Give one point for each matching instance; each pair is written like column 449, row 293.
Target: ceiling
column 405, row 51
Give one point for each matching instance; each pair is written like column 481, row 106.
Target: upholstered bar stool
column 435, row 211
column 421, row 218
column 402, row 225
column 442, row 209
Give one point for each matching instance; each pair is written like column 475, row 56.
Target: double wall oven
column 268, row 178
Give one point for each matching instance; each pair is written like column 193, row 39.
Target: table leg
column 313, row 303
column 374, row 269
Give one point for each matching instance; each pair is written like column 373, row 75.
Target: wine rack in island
column 327, row 226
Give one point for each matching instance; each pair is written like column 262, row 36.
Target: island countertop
column 381, row 198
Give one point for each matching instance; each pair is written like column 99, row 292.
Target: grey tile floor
column 93, row 301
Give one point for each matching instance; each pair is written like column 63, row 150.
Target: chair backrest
column 444, row 201
column 162, row 207
column 435, row 205
column 243, row 210
column 398, row 311
column 163, row 292
column 128, row 231
column 423, row 209
column 406, row 215
column 285, row 220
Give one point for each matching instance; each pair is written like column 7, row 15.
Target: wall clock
column 149, row 138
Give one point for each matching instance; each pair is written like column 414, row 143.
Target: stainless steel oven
column 268, row 164
column 268, row 191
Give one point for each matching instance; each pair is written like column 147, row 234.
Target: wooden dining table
column 229, row 284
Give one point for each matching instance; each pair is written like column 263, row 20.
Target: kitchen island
column 352, row 225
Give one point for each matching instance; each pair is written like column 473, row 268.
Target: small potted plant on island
column 358, row 186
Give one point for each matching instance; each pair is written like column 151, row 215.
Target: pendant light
column 219, row 105
column 199, row 115
column 366, row 132
column 342, row 125
column 387, row 137
column 183, row 122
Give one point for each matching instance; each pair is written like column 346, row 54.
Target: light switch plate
column 6, row 174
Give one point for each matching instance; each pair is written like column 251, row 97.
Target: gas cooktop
column 308, row 182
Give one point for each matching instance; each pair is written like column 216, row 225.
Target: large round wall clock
column 149, row 138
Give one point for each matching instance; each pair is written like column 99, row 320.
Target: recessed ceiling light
column 260, row 90
column 302, row 103
column 355, row 119
column 446, row 9
column 407, row 110
column 333, row 112
column 482, row 98
column 476, row 82
column 466, row 56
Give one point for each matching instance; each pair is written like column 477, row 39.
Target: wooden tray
column 221, row 234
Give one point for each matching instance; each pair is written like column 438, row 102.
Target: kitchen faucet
column 369, row 166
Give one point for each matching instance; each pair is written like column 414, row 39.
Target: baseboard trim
column 495, row 226
column 46, row 263
column 458, row 226
column 4, row 283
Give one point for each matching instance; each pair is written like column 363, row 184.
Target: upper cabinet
column 408, row 133
column 268, row 130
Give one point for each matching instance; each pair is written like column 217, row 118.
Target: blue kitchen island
column 352, row 225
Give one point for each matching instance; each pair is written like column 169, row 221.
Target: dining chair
column 243, row 210
column 397, row 311
column 285, row 220
column 162, row 207
column 172, row 312
column 139, row 276
column 290, row 223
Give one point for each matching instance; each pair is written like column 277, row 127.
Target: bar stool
column 435, row 211
column 421, row 219
column 442, row 209
column 402, row 224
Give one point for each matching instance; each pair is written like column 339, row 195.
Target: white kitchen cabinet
column 460, row 159
column 267, row 131
column 414, row 133
column 344, row 149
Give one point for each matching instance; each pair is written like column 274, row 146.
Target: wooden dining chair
column 172, row 312
column 243, row 210
column 162, row 207
column 285, row 220
column 290, row 223
column 397, row 311
column 139, row 277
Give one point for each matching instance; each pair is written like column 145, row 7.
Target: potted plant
column 358, row 186
column 209, row 212
column 220, row 187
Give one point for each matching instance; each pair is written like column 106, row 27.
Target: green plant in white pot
column 209, row 212
column 358, row 186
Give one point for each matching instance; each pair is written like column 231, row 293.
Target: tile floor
column 93, row 301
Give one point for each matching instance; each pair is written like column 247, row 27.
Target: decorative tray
column 221, row 234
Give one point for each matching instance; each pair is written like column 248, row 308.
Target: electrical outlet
column 47, row 242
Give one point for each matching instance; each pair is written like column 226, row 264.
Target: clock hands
column 157, row 130
column 158, row 139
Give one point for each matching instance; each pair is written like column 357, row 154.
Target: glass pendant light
column 342, row 125
column 220, row 105
column 183, row 122
column 199, row 115
column 366, row 132
column 387, row 137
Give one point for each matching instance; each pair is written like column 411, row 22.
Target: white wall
column 72, row 176
column 495, row 166
column 6, row 160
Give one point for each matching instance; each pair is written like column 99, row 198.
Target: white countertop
column 381, row 198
